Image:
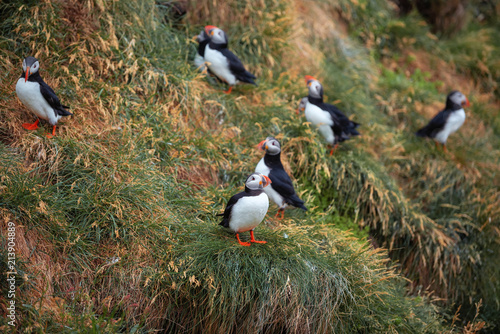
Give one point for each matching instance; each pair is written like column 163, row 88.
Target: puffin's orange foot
column 241, row 242
column 252, row 239
column 229, row 90
column 334, row 149
column 277, row 215
column 50, row 135
column 33, row 126
column 445, row 149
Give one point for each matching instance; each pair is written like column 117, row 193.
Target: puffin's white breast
column 219, row 65
column 317, row 116
column 199, row 62
column 262, row 168
column 248, row 212
column 275, row 196
column 322, row 119
column 453, row 123
column 30, row 95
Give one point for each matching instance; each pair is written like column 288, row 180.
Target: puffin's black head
column 455, row 100
column 30, row 66
column 271, row 145
column 257, row 181
column 218, row 36
column 202, row 36
column 302, row 105
column 315, row 87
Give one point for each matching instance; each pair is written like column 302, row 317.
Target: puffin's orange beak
column 268, row 181
column 309, row 79
column 467, row 103
column 260, row 145
column 208, row 29
column 27, row 75
column 299, row 109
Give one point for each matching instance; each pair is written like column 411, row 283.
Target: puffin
column 331, row 122
column 35, row 94
column 281, row 190
column 222, row 62
column 199, row 58
column 302, row 105
column 246, row 210
column 448, row 120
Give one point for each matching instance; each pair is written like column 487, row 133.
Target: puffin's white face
column 30, row 66
column 302, row 104
column 218, row 36
column 202, row 36
column 257, row 181
column 271, row 145
column 315, row 89
column 33, row 67
column 459, row 98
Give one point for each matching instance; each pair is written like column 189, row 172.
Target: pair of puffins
column 247, row 209
column 336, row 127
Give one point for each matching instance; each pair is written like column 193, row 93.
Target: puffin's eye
column 34, row 66
column 253, row 178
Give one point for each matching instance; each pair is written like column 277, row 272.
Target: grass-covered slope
column 115, row 217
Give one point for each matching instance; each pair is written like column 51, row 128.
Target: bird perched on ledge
column 222, row 62
column 246, row 210
column 281, row 190
column 331, row 122
column 199, row 59
column 35, row 94
column 448, row 120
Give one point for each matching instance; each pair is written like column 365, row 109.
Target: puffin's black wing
column 339, row 132
column 435, row 125
column 236, row 67
column 282, row 183
column 229, row 207
column 201, row 47
column 348, row 126
column 50, row 96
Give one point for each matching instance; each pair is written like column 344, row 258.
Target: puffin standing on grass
column 246, row 210
column 281, row 191
column 448, row 120
column 199, row 59
column 35, row 94
column 331, row 122
column 222, row 62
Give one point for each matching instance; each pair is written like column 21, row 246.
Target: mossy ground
column 116, row 226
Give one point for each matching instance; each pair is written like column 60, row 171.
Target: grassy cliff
column 115, row 216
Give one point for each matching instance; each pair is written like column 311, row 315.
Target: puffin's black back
column 435, row 125
column 346, row 124
column 342, row 127
column 49, row 95
column 235, row 65
column 281, row 181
